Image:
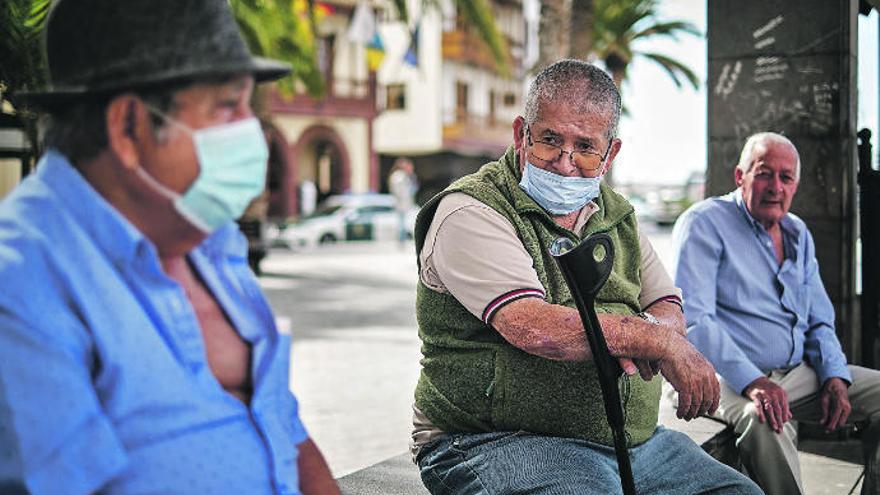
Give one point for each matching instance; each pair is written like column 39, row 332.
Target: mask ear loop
column 169, row 119
column 157, row 186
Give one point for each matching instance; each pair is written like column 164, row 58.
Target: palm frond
column 401, row 9
column 618, row 24
column 674, row 68
column 671, row 28
column 479, row 14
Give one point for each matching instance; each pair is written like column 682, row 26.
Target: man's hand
column 771, row 402
column 835, row 404
column 647, row 369
column 692, row 376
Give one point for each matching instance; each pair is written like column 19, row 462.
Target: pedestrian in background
column 403, row 185
column 308, row 197
column 137, row 352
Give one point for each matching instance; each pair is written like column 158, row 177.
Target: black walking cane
column 586, row 268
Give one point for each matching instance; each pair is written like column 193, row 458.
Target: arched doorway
column 281, row 204
column 321, row 157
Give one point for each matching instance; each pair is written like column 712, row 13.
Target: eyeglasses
column 587, row 159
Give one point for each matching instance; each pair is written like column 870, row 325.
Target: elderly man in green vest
column 508, row 399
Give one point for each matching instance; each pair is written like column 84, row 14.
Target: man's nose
column 777, row 183
column 565, row 162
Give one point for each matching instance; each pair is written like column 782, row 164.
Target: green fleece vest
column 472, row 380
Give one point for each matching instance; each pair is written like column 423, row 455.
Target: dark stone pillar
column 790, row 67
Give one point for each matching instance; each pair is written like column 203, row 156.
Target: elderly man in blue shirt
column 137, row 353
column 756, row 307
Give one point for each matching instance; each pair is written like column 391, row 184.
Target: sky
column 664, row 136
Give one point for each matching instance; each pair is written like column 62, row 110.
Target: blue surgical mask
column 232, row 171
column 558, row 194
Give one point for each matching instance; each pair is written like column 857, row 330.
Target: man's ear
column 737, row 176
column 519, row 132
column 126, row 122
column 616, row 144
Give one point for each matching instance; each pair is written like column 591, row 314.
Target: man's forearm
column 556, row 332
column 633, row 337
column 314, row 474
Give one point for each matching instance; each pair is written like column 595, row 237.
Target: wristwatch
column 649, row 318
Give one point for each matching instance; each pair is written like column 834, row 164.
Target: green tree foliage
column 22, row 64
column 283, row 30
column 617, row 27
column 478, row 13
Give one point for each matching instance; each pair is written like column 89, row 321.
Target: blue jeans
column 524, row 463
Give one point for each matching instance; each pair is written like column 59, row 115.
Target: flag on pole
column 322, row 10
column 363, row 24
column 412, row 53
column 375, row 52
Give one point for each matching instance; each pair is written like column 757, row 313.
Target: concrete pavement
column 356, row 351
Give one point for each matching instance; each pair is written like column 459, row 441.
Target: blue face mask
column 558, row 194
column 232, row 171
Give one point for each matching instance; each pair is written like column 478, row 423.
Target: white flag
column 363, row 24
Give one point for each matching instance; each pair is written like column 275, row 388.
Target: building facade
column 438, row 98
column 453, row 111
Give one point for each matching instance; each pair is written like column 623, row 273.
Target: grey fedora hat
column 103, row 46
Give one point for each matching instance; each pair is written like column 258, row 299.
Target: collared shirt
column 104, row 380
column 745, row 312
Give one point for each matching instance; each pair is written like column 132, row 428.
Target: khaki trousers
column 770, row 458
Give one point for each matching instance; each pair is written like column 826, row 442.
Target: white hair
column 576, row 83
column 747, row 159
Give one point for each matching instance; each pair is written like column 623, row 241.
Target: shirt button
column 176, row 305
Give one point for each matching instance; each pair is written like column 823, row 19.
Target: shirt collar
column 584, row 216
column 115, row 235
column 112, row 232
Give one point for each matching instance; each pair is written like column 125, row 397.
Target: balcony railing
column 345, row 97
column 477, row 134
column 467, row 47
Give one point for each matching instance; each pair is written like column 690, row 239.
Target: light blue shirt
column 104, row 382
column 747, row 314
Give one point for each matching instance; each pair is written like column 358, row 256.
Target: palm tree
column 565, row 30
column 580, row 40
column 618, row 24
column 554, row 38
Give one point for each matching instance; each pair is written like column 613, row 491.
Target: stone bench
column 395, row 476
column 399, row 476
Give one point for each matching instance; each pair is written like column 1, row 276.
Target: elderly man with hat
column 137, row 353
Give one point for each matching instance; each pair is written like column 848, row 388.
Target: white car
column 347, row 217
